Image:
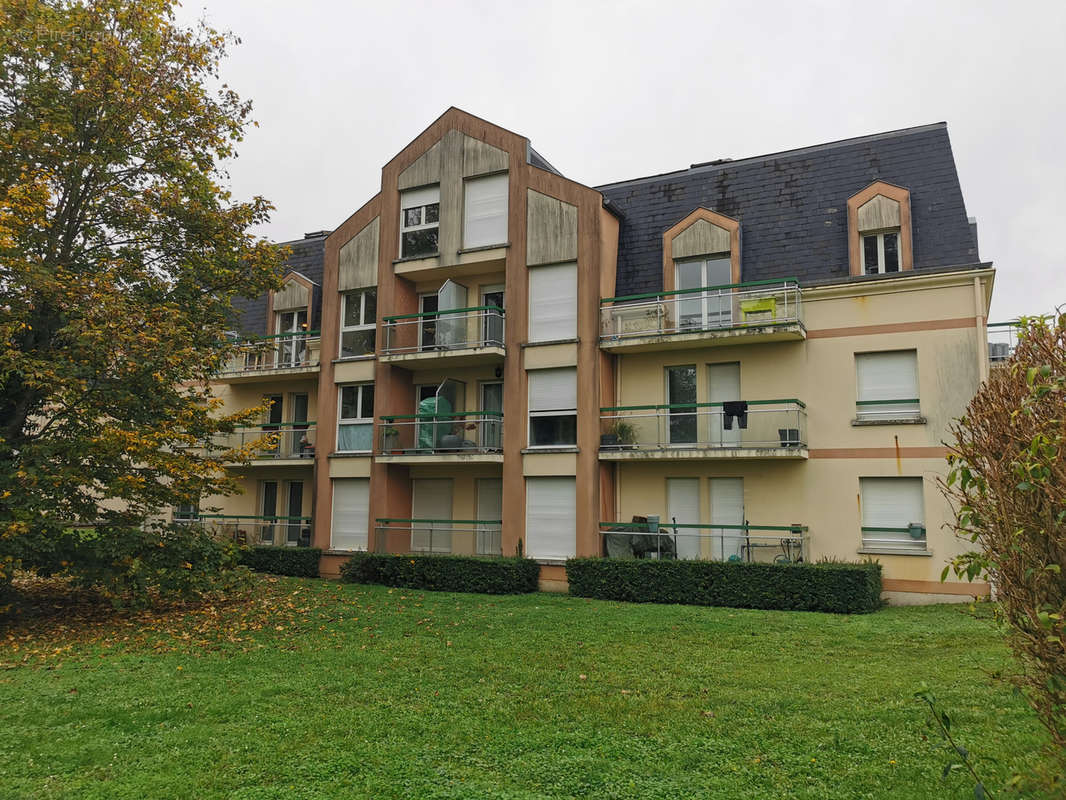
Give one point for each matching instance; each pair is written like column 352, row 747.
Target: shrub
column 1007, row 484
column 296, row 562
column 444, row 573
column 838, row 588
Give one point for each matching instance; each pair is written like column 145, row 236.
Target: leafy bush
column 444, row 573
column 297, row 562
column 137, row 566
column 1007, row 484
column 838, row 588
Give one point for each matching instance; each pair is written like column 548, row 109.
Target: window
column 187, row 512
column 419, row 221
column 351, row 513
column 553, row 407
column 553, row 302
column 292, row 350
column 893, row 516
column 551, row 509
column 485, row 211
column 880, row 252
column 355, row 425
column 706, row 309
column 887, row 385
column 358, row 315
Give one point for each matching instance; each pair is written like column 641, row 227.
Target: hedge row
column 444, row 573
column 298, row 562
column 835, row 587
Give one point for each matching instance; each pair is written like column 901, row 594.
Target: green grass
column 380, row 693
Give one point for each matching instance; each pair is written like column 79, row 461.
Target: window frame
column 553, row 413
column 882, row 267
column 422, row 225
column 483, row 180
column 362, row 419
column 364, row 325
column 907, row 409
column 911, row 545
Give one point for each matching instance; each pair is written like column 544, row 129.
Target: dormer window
column 419, row 222
column 880, row 252
column 879, row 230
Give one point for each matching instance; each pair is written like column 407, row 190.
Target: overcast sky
column 614, row 90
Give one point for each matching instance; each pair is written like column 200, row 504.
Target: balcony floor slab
column 748, row 334
column 705, row 453
column 439, row 458
column 460, row 357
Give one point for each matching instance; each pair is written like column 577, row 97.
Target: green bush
column 444, row 573
column 297, row 562
column 835, row 587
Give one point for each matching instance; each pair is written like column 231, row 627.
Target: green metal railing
column 474, row 432
column 441, row 536
column 258, row 529
column 706, row 542
column 733, row 306
column 470, row 328
column 275, row 351
column 767, row 424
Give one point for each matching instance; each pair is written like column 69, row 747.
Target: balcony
column 741, row 313
column 285, row 444
column 474, row 437
column 442, row 536
column 754, row 429
column 1002, row 339
column 457, row 338
column 246, row 529
column 281, row 357
column 765, row 544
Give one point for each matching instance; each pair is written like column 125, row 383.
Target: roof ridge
column 720, row 163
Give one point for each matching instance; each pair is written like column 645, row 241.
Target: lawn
column 311, row 689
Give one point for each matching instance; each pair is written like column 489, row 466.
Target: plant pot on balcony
column 609, row 440
column 451, row 441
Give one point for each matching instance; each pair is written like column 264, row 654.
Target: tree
column 120, row 253
column 1007, row 483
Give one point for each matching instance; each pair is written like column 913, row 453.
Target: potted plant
column 392, row 439
column 620, row 435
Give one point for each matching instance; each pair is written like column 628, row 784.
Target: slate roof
column 792, row 207
column 307, row 257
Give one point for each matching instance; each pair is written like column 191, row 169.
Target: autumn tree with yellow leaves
column 120, row 252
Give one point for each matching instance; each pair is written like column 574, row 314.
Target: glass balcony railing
column 756, row 424
column 442, row 434
column 1002, row 339
column 739, row 306
column 458, row 536
column 477, row 327
column 249, row 529
column 282, row 351
column 273, row 441
column 669, row 540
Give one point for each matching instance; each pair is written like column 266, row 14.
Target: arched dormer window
column 879, row 230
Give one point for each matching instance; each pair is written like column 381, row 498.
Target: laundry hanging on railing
column 735, row 409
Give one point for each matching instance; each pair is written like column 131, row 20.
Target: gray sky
column 614, row 90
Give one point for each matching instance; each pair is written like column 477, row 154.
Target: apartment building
column 751, row 359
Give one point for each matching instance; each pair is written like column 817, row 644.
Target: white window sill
column 484, row 247
column 346, row 359
column 335, row 552
column 351, row 454
column 552, row 448
column 889, row 551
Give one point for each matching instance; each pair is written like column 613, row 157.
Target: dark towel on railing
column 735, row 409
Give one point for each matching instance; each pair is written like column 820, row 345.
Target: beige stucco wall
column 822, row 492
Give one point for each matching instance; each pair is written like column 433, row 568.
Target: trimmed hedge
column 444, row 573
column 840, row 588
column 297, row 562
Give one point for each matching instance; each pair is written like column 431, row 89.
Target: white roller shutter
column 892, row 503
column 552, row 389
column 551, row 525
column 351, row 513
column 887, row 376
column 426, row 196
column 485, row 211
column 553, row 302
